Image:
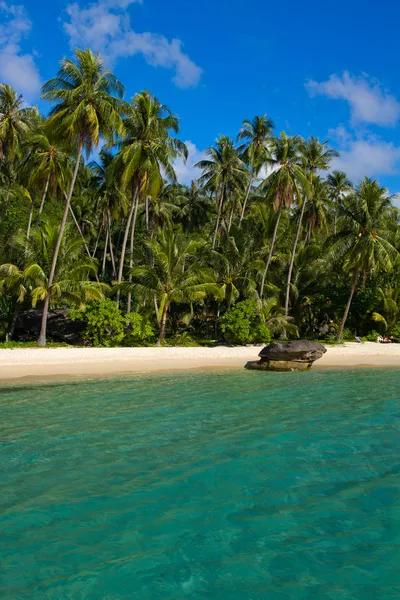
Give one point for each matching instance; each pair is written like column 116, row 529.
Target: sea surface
column 231, row 486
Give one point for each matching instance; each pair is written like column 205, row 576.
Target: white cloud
column 187, row 172
column 16, row 68
column 105, row 27
column 369, row 156
column 369, row 102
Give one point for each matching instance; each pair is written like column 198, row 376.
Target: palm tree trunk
column 104, row 255
column 128, row 308
column 162, row 326
column 346, row 312
column 114, row 272
column 230, row 220
column 278, row 218
column 289, row 279
column 245, row 200
column 97, row 243
column 221, row 201
column 132, row 209
column 16, row 310
column 46, row 187
column 28, row 229
column 42, row 336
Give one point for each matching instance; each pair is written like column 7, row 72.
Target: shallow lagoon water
column 229, row 486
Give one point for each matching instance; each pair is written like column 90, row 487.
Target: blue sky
column 323, row 69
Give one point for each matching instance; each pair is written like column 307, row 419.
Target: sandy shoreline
column 61, row 363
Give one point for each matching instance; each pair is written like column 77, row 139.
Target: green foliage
column 395, row 331
column 11, row 345
column 243, row 324
column 348, row 335
column 371, row 336
column 139, row 331
column 184, row 339
column 105, row 323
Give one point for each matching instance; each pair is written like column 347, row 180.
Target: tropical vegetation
column 270, row 241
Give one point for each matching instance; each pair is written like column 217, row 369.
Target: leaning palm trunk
column 42, row 336
column 114, row 270
column 104, row 255
column 289, row 279
column 132, row 212
column 129, row 301
column 245, row 200
column 346, row 312
column 44, row 195
column 278, row 218
column 221, row 201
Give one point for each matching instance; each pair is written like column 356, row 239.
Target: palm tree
column 27, row 276
column 112, row 201
column 339, row 185
column 145, row 156
column 223, row 172
column 88, row 107
column 16, row 121
column 256, row 135
column 362, row 243
column 282, row 185
column 173, row 277
column 195, row 208
column 389, row 314
column 316, row 156
column 49, row 164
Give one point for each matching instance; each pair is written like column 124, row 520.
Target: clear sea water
column 230, row 486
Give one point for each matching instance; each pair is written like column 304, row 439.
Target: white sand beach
column 61, row 363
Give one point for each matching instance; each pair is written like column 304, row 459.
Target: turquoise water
column 229, row 486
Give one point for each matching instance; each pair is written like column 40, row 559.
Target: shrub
column 183, row 339
column 395, row 331
column 371, row 336
column 139, row 331
column 347, row 334
column 105, row 322
column 243, row 324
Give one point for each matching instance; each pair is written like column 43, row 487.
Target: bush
column 395, row 331
column 347, row 334
column 243, row 324
column 371, row 336
column 105, row 323
column 183, row 339
column 139, row 331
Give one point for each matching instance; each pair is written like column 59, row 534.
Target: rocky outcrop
column 288, row 356
column 60, row 328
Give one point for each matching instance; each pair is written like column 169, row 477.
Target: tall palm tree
column 173, row 277
column 50, row 164
column 223, row 172
column 112, row 200
column 145, row 156
column 195, row 208
column 256, row 135
column 281, row 187
column 16, row 121
column 88, row 107
column 316, row 156
column 339, row 185
column 363, row 241
column 27, row 276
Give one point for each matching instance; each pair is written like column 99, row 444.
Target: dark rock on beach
column 288, row 356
